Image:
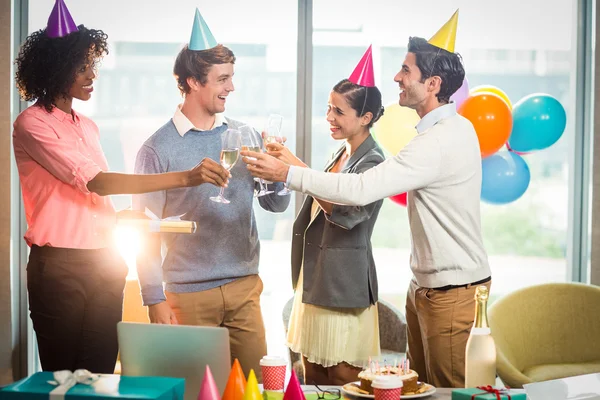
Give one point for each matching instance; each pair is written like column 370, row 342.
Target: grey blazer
column 339, row 270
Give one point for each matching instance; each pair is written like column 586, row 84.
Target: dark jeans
column 76, row 301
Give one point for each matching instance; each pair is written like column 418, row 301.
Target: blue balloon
column 539, row 120
column 505, row 177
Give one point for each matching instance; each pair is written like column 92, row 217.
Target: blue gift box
column 107, row 387
column 480, row 394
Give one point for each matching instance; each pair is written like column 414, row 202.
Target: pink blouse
column 57, row 155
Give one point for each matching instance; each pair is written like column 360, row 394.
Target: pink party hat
column 363, row 73
column 208, row 388
column 293, row 391
column 60, row 22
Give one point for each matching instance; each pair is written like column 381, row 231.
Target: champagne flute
column 251, row 142
column 273, row 129
column 230, row 152
column 273, row 135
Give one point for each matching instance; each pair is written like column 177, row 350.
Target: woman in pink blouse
column 75, row 279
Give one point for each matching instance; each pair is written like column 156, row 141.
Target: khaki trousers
column 235, row 306
column 438, row 327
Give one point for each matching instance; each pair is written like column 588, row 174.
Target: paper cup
column 388, row 387
column 273, row 372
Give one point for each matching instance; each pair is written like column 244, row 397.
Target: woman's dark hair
column 46, row 67
column 196, row 64
column 434, row 61
column 361, row 98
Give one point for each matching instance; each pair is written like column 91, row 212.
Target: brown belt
column 448, row 287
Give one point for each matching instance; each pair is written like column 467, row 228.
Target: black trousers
column 76, row 301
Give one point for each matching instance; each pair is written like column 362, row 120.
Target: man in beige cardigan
column 441, row 171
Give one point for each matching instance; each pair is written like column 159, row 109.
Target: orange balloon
column 491, row 118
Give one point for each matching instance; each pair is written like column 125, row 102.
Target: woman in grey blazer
column 334, row 321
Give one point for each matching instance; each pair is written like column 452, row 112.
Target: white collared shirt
column 436, row 115
column 184, row 125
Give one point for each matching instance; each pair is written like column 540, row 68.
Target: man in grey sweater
column 211, row 276
column 441, row 171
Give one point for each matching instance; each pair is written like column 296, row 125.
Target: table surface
column 440, row 394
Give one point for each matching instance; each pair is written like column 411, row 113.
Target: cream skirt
column 328, row 336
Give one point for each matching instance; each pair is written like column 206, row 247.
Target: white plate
column 429, row 392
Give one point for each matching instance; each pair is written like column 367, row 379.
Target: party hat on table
column 445, row 38
column 236, row 384
column 252, row 391
column 294, row 391
column 60, row 22
column 363, row 73
column 208, row 388
column 202, row 38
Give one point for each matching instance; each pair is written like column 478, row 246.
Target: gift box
column 43, row 386
column 488, row 393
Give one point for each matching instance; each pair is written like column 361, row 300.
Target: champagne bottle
column 480, row 356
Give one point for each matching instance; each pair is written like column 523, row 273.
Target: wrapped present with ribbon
column 488, row 393
column 149, row 222
column 84, row 385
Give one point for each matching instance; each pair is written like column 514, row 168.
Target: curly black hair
column 46, row 67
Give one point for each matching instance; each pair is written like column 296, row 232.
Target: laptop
column 177, row 351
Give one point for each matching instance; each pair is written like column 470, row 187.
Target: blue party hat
column 202, row 38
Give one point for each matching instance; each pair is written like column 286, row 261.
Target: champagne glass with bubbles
column 230, row 152
column 251, row 142
column 273, row 135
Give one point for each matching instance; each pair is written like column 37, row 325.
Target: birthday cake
column 409, row 378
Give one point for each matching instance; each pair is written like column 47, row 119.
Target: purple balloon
column 461, row 94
